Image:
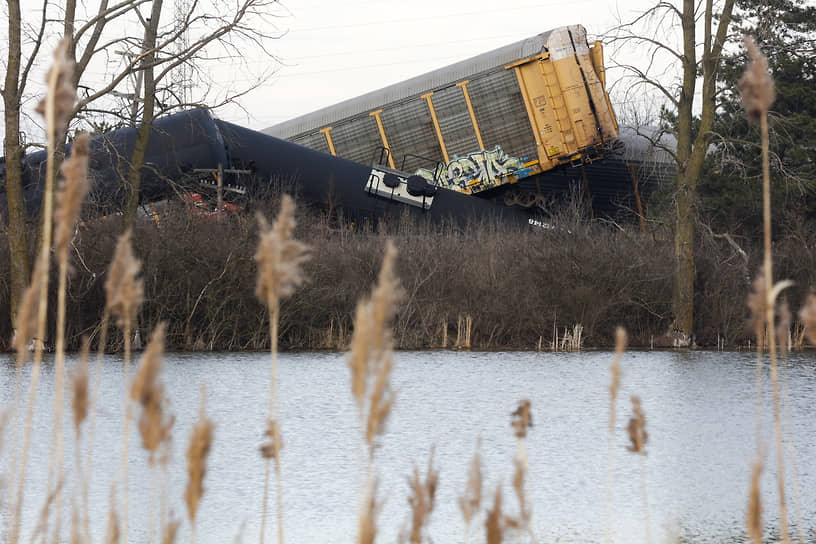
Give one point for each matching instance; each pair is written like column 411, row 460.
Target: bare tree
column 221, row 30
column 673, row 70
column 14, row 86
column 222, row 37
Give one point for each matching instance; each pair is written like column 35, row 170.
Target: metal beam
column 325, row 132
column 427, row 97
column 376, row 115
column 463, row 85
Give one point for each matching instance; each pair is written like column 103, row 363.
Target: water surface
column 700, row 409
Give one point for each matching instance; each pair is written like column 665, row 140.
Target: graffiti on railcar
column 481, row 168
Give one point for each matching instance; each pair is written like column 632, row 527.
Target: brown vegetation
column 516, row 286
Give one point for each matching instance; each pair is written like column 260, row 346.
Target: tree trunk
column 683, row 293
column 686, row 195
column 17, row 234
column 134, row 176
column 691, row 150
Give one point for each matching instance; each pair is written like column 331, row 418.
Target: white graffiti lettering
column 482, row 168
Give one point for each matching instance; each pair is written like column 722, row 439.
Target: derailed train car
column 186, row 149
column 481, row 125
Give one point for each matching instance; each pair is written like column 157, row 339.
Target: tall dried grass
column 614, row 386
column 471, row 499
column 125, row 293
column 370, row 361
column 422, row 500
column 757, row 92
column 200, row 444
column 280, row 258
column 59, row 100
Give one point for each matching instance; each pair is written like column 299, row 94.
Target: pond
column 693, row 483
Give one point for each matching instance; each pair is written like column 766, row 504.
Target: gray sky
column 333, row 51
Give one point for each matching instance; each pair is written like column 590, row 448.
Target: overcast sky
column 332, row 51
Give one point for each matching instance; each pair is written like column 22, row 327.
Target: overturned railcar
column 188, row 150
column 481, row 125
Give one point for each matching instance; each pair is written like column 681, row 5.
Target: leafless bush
column 517, row 285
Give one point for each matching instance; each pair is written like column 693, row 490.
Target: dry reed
column 279, row 257
column 637, row 428
column 638, row 437
column 124, row 290
column 494, row 524
column 124, row 294
column 26, row 323
column 757, row 93
column 614, row 386
column 170, row 531
column 75, row 187
column 783, row 328
column 55, row 108
column 808, row 317
column 756, row 86
column 370, row 357
column 146, row 389
column 753, row 516
column 471, row 500
column 197, row 451
column 521, row 420
column 113, row 532
column 79, row 406
column 370, row 362
column 422, row 499
column 79, row 387
column 367, row 521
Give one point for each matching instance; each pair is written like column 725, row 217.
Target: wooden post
column 219, row 199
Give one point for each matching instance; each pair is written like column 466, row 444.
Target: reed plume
column 58, row 104
column 79, row 382
column 637, row 428
column 521, row 420
column 154, row 423
column 422, row 499
column 279, row 257
column 808, row 317
column 73, row 192
column 471, row 500
column 756, row 85
column 197, row 451
column 124, row 290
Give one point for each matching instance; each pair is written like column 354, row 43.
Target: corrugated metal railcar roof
column 432, row 81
